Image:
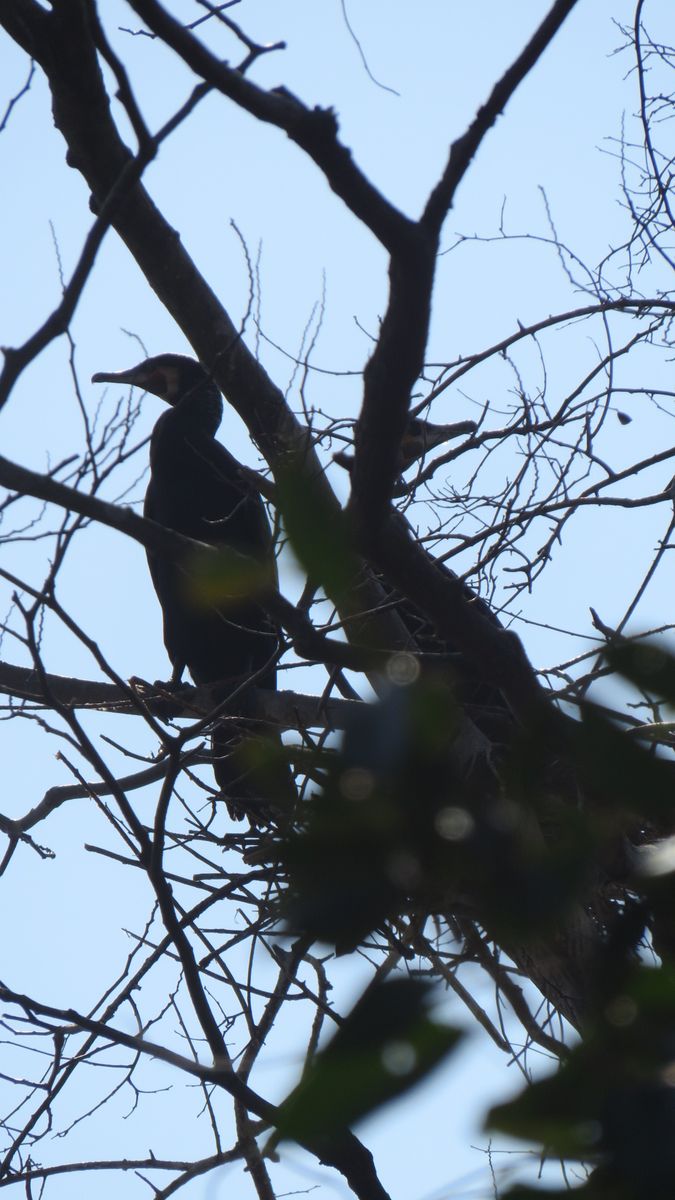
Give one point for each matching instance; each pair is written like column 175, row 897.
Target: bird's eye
column 157, row 383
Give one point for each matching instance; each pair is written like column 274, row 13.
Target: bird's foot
column 155, row 693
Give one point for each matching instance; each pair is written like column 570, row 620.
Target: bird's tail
column 252, row 772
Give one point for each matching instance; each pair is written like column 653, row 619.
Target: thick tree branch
column 443, row 597
column 288, row 710
column 389, row 377
column 314, row 130
column 398, row 358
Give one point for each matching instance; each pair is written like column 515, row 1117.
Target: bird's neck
column 200, row 408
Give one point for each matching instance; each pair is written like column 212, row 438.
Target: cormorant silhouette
column 212, row 626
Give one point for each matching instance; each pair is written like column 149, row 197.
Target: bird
column 213, row 624
column 419, row 439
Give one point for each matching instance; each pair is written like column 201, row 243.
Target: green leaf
column 385, row 1046
column 622, row 776
column 560, row 1113
column 613, row 1099
column 318, row 533
column 595, row 1188
column 645, row 664
column 225, row 577
column 370, row 839
column 396, row 824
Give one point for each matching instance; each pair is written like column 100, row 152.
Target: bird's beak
column 416, row 445
column 115, row 376
column 435, row 435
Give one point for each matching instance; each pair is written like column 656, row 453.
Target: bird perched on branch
column 419, row 439
column 213, row 624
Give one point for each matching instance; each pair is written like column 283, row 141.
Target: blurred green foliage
column 385, row 1045
column 317, row 532
column 612, row 1103
column 225, row 578
column 397, row 828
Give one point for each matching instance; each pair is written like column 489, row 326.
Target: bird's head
column 170, row 376
column 419, row 439
column 422, row 436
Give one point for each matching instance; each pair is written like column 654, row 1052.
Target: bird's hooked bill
column 419, row 439
column 422, row 436
column 141, row 375
column 151, row 376
column 114, row 376
column 169, row 376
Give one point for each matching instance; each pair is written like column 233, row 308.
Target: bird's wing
column 237, row 512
